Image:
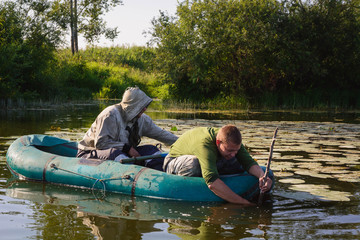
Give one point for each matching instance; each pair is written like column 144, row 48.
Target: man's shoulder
column 110, row 111
column 145, row 118
column 203, row 129
column 200, row 133
column 212, row 131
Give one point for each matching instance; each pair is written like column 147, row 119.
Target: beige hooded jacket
column 109, row 128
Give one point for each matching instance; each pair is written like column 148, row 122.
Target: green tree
column 321, row 43
column 217, row 47
column 30, row 33
column 84, row 17
column 253, row 47
column 27, row 42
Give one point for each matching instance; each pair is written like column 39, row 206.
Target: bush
column 134, row 57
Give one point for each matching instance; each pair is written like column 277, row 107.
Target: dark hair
column 230, row 134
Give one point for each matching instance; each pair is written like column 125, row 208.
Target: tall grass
column 133, row 57
column 105, row 73
column 311, row 99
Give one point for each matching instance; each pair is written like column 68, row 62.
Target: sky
column 132, row 19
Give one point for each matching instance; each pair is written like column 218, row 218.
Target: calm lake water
column 316, row 162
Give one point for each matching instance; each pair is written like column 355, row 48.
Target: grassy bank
column 210, row 55
column 105, row 73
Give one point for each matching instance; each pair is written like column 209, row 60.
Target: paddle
column 143, row 158
column 267, row 166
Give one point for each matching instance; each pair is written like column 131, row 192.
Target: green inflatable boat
column 51, row 159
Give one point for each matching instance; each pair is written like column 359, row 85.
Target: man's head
column 134, row 102
column 228, row 141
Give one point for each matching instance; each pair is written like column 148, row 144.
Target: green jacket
column 201, row 142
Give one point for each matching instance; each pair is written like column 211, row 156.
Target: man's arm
column 257, row 171
column 223, row 191
column 149, row 129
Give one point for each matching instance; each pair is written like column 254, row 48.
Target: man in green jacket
column 210, row 152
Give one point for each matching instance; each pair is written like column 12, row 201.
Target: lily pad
column 292, row 180
column 281, row 165
column 300, row 196
column 353, row 176
column 322, row 192
column 347, row 146
column 312, row 174
column 283, row 174
column 304, row 160
column 309, row 165
column 334, row 170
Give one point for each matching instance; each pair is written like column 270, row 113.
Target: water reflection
column 117, row 228
column 124, row 206
column 57, row 222
column 31, row 121
column 128, row 217
column 316, row 163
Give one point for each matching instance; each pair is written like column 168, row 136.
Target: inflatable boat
column 51, row 159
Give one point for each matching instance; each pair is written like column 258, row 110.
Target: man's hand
column 133, row 152
column 265, row 185
column 257, row 171
column 223, row 191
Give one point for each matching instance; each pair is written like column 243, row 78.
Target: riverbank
column 160, row 110
column 161, row 105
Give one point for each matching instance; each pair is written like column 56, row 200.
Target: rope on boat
column 102, row 181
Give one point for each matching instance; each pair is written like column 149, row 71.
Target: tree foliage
column 212, row 51
column 30, row 33
column 84, row 17
column 27, row 42
column 250, row 47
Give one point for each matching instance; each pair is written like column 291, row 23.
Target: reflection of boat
column 113, row 205
column 122, row 206
column 119, row 216
column 51, row 159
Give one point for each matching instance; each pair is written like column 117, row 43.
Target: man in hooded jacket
column 117, row 130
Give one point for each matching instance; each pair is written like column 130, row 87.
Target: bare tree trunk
column 76, row 44
column 72, row 28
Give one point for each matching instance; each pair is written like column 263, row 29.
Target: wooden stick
column 268, row 166
column 142, row 158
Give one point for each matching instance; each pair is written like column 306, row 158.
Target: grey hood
column 133, row 102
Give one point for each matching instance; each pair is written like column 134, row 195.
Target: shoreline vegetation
column 148, row 82
column 159, row 105
column 270, row 55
